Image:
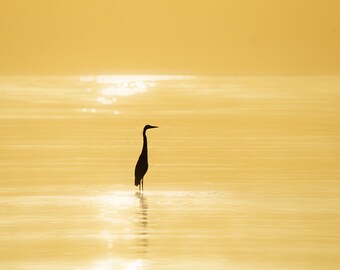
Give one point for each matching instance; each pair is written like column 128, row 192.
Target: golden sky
column 170, row 37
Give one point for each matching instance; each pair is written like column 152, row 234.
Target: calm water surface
column 244, row 173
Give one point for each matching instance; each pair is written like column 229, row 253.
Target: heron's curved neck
column 145, row 144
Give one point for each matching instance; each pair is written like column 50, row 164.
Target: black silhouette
column 142, row 163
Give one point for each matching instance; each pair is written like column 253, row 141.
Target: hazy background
column 243, row 170
column 223, row 37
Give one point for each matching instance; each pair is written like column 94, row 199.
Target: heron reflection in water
column 142, row 223
column 142, row 163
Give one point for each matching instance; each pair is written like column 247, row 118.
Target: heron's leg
column 142, row 184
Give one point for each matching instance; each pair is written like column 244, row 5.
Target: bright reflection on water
column 107, row 230
column 111, row 264
column 243, row 173
column 126, row 85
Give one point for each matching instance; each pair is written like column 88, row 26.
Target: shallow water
column 243, row 173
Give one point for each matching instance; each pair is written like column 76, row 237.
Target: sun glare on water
column 113, row 264
column 117, row 199
column 108, row 89
column 116, row 86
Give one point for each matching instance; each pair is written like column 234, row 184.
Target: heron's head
column 149, row 126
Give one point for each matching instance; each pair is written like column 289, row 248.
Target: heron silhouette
column 142, row 163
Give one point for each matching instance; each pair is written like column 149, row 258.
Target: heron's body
column 142, row 163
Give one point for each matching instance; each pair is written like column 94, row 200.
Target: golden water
column 244, row 173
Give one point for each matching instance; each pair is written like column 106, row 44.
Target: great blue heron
column 142, row 163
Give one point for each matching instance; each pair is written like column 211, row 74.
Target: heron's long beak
column 153, row 126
